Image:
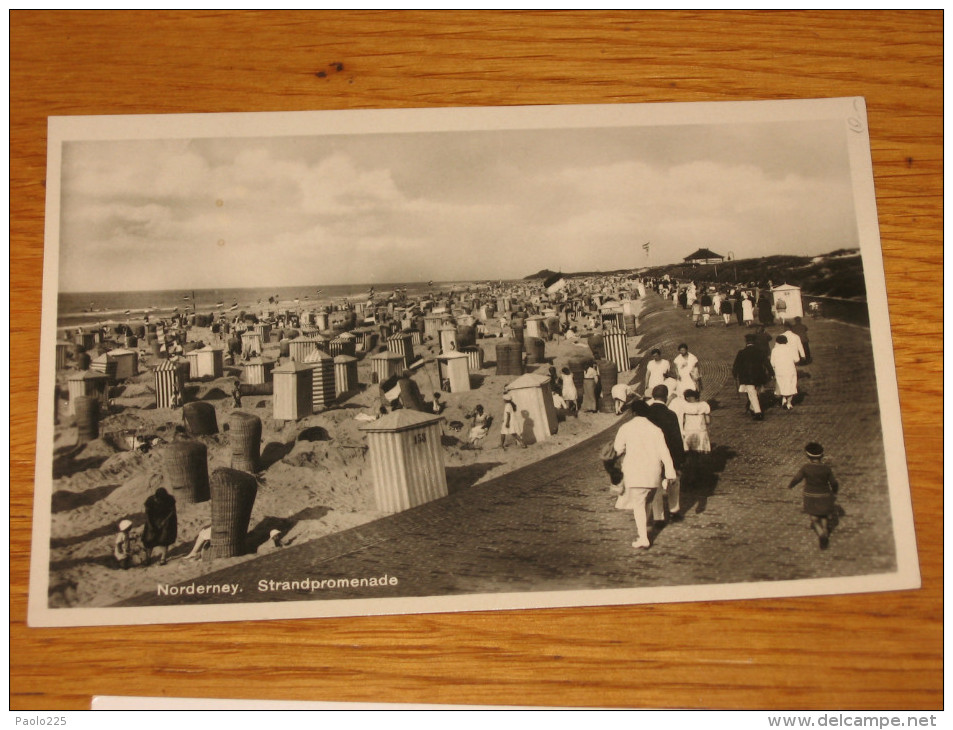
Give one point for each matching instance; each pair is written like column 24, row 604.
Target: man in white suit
column 646, row 466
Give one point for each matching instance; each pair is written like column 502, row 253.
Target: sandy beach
column 315, row 477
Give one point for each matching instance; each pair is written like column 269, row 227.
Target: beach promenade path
column 552, row 526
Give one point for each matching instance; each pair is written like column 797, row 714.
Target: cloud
column 131, row 169
column 206, row 213
column 705, row 203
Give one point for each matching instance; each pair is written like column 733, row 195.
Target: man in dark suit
column 762, row 340
column 660, row 415
column 752, row 371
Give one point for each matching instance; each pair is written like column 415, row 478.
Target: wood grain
column 881, row 651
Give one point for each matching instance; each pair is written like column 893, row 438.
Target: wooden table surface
column 877, row 651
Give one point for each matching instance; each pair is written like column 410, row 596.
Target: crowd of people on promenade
column 646, row 460
column 649, row 454
column 670, row 429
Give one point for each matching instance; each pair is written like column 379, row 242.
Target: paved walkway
column 553, row 525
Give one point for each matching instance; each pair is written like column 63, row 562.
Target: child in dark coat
column 820, row 488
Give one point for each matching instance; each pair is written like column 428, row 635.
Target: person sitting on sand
column 272, row 544
column 202, row 541
column 480, row 426
column 123, row 547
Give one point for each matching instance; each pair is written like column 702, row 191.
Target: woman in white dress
column 784, row 360
column 747, row 311
column 686, row 370
column 655, row 370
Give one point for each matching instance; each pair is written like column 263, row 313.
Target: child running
column 820, row 487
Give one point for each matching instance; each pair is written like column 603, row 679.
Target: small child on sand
column 820, row 488
column 272, row 544
column 123, row 547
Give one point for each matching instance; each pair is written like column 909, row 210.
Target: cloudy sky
column 347, row 209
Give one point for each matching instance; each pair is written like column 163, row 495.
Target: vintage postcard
column 405, row 361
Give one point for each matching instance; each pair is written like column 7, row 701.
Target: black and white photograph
column 410, row 361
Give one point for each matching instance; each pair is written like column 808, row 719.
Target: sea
column 76, row 309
